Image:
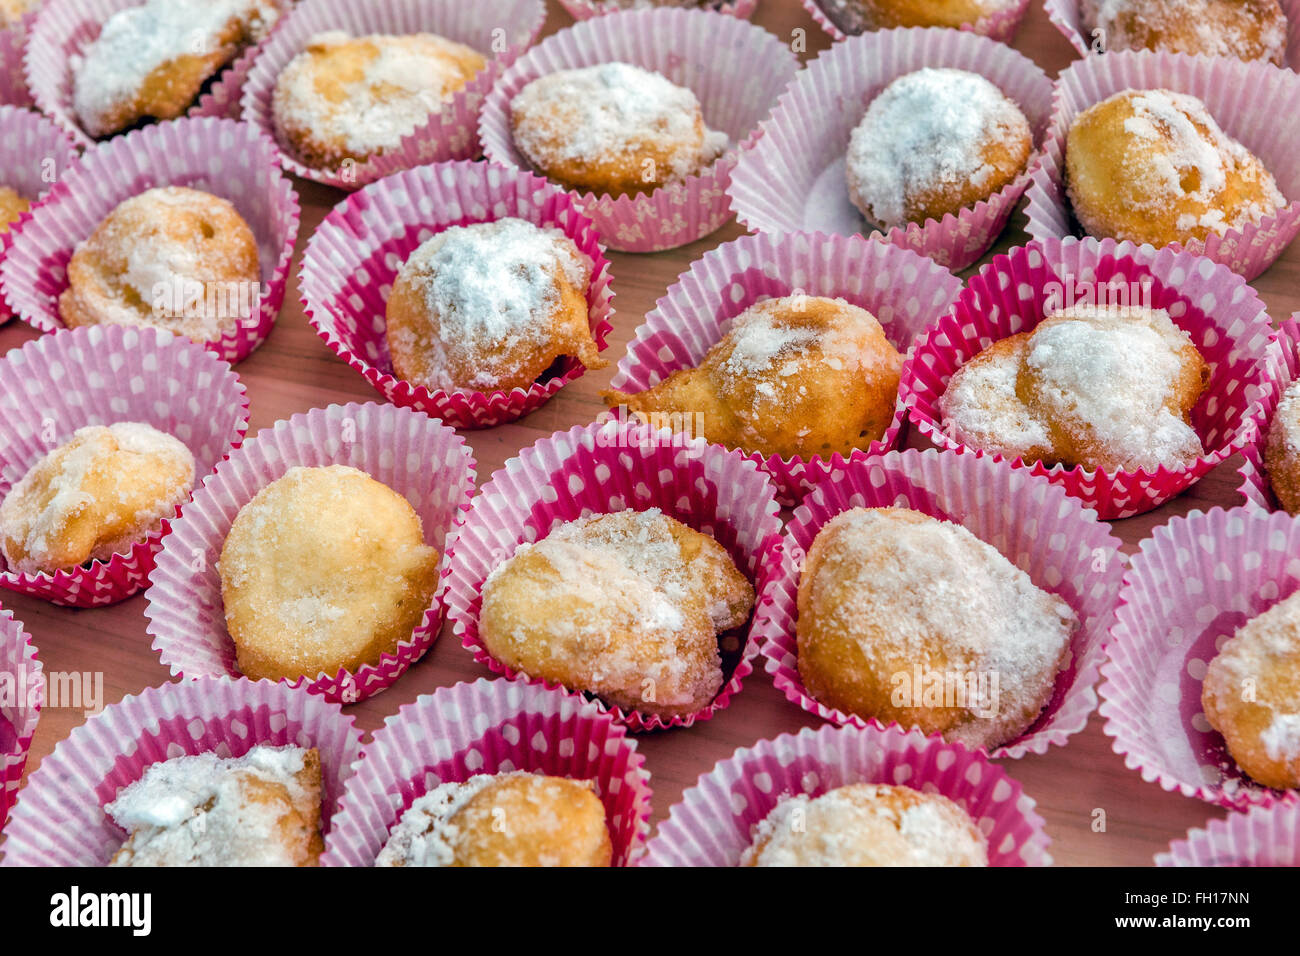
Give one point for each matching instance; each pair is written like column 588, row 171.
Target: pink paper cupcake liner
column 418, row 457
column 18, row 718
column 489, row 726
column 1193, row 583
column 1244, row 98
column 906, row 292
column 712, row 54
column 13, row 81
column 839, row 22
column 605, row 467
column 1223, row 316
column 54, row 385
column 1284, row 364
column 1055, row 540
column 586, row 9
column 223, row 97
column 219, row 156
column 60, row 818
column 714, row 823
column 354, row 256
column 1262, row 836
column 500, row 29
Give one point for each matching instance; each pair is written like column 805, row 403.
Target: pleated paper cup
column 60, row 818
column 1224, row 317
column 489, row 727
column 353, row 259
column 1245, row 99
column 21, row 671
column 839, row 20
column 418, row 457
column 586, row 9
column 228, row 159
column 1283, row 366
column 716, row 819
column 1193, row 583
column 1262, row 836
column 713, row 55
column 499, row 29
column 606, row 467
column 13, row 81
column 54, row 385
column 1060, row 544
column 904, row 291
column 792, row 177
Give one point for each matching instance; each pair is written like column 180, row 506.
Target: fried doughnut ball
column 866, row 824
column 1251, row 695
column 1090, row 386
column 94, row 496
column 612, row 129
column 1246, row 29
column 11, row 11
column 505, row 819
column 150, row 61
column 1282, row 450
column 1153, row 166
column 352, row 98
column 859, row 16
column 908, row 618
column 801, row 375
column 490, row 307
column 12, row 207
column 626, row 606
column 170, row 258
column 325, row 569
column 933, row 142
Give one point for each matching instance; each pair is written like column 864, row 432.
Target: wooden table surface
column 294, row 371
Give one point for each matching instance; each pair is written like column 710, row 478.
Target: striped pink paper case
column 1262, row 836
column 1284, row 364
column 21, row 672
column 586, row 9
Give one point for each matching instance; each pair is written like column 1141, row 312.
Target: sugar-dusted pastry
column 1246, row 29
column 490, row 307
column 1154, row 166
column 11, row 11
column 1282, row 450
column 505, row 819
column 261, row 809
column 1251, row 695
column 170, row 258
column 860, row 16
column 907, row 618
column 94, row 496
column 933, row 142
column 612, row 129
column 865, row 824
column 626, row 606
column 801, row 375
column 324, row 569
column 350, row 98
column 150, row 60
column 12, row 206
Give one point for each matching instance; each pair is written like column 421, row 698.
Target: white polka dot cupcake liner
column 1262, row 836
column 418, row 457
column 499, row 29
column 840, row 21
column 19, row 714
column 1059, row 543
column 354, row 257
column 904, row 291
column 54, row 385
column 1224, row 317
column 219, row 156
column 1283, row 368
column 792, row 177
column 613, row 466
column 586, row 9
column 1193, row 583
column 60, row 818
column 489, row 727
column 710, row 53
column 1244, row 98
column 715, row 821
column 13, row 80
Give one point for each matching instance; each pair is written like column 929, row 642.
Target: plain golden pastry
column 801, row 375
column 1246, row 29
column 933, row 142
column 351, row 98
column 151, row 61
column 1251, row 695
column 627, row 606
column 11, row 11
column 1154, row 167
column 12, row 207
column 169, row 258
column 505, row 819
column 1282, row 450
column 94, row 496
column 903, row 617
column 490, row 307
column 858, row 16
column 325, row 569
column 261, row 809
column 1090, row 386
column 866, row 824
column 612, row 129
